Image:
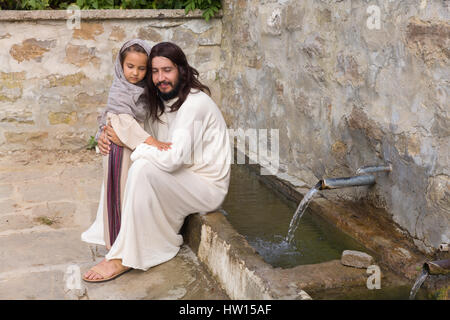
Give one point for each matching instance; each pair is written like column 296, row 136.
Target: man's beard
column 166, row 96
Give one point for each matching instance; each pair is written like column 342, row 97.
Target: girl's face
column 135, row 66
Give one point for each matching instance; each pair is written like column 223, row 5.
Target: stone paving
column 47, row 199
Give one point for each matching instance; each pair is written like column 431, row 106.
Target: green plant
column 46, row 220
column 208, row 7
column 92, row 143
column 35, row 4
column 95, row 4
column 24, row 4
column 155, row 4
column 442, row 293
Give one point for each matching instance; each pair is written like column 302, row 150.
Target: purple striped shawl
column 113, row 189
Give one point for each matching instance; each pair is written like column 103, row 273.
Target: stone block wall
column 55, row 79
column 345, row 92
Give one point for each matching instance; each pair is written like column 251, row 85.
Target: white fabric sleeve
column 128, row 130
column 190, row 122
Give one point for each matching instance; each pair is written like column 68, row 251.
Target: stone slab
column 356, row 259
column 180, row 278
column 15, row 222
column 25, row 250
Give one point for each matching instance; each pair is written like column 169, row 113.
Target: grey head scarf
column 126, row 97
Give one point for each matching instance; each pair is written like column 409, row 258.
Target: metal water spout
column 355, row 181
column 440, row 267
column 373, row 169
column 335, row 183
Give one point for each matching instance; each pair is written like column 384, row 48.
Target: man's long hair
column 188, row 78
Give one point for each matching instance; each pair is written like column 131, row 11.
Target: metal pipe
column 373, row 169
column 335, row 183
column 437, row 267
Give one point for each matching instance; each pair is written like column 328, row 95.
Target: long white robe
column 163, row 187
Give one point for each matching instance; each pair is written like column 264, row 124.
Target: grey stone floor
column 47, row 199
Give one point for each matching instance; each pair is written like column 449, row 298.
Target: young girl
column 126, row 111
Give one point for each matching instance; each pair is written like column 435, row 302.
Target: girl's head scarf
column 126, row 97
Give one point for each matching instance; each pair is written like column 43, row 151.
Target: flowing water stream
column 293, row 225
column 420, row 280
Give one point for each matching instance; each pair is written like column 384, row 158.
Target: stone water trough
column 244, row 274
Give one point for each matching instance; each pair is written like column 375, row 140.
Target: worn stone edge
column 30, row 15
column 261, row 273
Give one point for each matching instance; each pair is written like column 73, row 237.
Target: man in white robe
column 163, row 187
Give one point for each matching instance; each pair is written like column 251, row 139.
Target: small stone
column 62, row 118
column 149, row 34
column 356, row 259
column 294, row 17
column 31, row 49
column 81, row 55
column 198, row 26
column 71, row 80
column 11, row 86
column 84, row 100
column 26, row 137
column 404, row 252
column 117, row 34
column 339, row 149
column 20, row 116
column 88, row 31
column 184, row 38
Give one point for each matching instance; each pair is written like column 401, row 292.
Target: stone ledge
column 31, row 15
column 233, row 262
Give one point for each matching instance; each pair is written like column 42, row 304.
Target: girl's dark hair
column 187, row 78
column 133, row 48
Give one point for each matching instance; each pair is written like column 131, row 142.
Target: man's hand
column 111, row 135
column 103, row 143
column 160, row 145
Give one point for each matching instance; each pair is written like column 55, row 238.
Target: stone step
column 9, row 222
column 44, row 285
column 46, row 201
column 43, row 247
column 159, row 282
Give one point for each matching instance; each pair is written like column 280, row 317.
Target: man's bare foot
column 105, row 270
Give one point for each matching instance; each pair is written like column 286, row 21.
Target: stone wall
column 55, row 79
column 344, row 93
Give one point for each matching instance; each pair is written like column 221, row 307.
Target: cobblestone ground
column 46, row 200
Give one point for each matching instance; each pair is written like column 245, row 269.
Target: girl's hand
column 103, row 143
column 111, row 134
column 160, row 145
